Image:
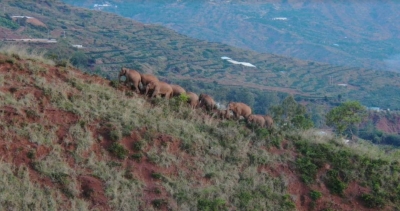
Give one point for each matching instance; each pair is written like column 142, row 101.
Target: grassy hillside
column 71, row 141
column 111, row 41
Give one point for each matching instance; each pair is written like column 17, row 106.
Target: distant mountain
column 351, row 33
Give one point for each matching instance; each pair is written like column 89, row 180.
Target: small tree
column 345, row 116
column 291, row 114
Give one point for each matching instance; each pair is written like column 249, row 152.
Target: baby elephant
column 268, row 121
column 131, row 76
column 256, row 119
column 261, row 120
column 224, row 114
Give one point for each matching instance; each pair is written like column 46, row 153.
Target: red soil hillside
column 57, row 128
column 387, row 123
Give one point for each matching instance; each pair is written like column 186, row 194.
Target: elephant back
column 207, row 101
column 193, row 99
column 177, row 90
column 147, row 78
column 240, row 109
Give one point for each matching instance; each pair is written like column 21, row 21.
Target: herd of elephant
column 148, row 83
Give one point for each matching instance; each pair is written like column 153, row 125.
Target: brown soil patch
column 388, row 126
column 92, row 189
column 35, row 22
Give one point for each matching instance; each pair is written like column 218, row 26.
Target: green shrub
column 115, row 84
column 115, row 135
column 373, row 201
column 287, row 202
column 315, row 195
column 138, row 145
column 137, row 156
column 210, row 175
column 118, row 150
column 31, row 154
column 335, row 185
column 262, row 133
column 62, row 63
column 158, row 203
column 244, row 198
column 211, row 205
column 60, row 178
column 307, row 169
column 156, row 175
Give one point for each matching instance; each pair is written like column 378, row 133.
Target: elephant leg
column 155, row 93
column 137, row 87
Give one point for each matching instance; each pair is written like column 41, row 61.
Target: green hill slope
column 70, row 141
column 111, row 41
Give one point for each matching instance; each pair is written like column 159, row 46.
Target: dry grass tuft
column 19, row 52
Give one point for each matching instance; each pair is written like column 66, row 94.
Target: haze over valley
column 349, row 33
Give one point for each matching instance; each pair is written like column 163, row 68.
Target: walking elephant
column 268, row 121
column 239, row 109
column 193, row 99
column 130, row 76
column 177, row 90
column 146, row 79
column 256, row 119
column 159, row 88
column 207, row 101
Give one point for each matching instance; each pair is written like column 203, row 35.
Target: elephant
column 131, row 76
column 268, row 121
column 159, row 88
column 239, row 109
column 207, row 101
column 193, row 99
column 146, row 79
column 177, row 90
column 257, row 120
column 224, row 114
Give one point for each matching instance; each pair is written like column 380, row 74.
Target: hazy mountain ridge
column 362, row 34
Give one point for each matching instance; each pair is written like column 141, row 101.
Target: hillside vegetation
column 111, row 41
column 71, row 141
